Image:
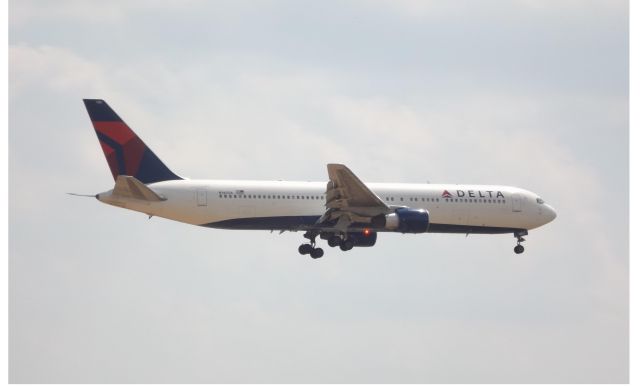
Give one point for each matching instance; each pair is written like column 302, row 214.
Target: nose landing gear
column 310, row 249
column 518, row 249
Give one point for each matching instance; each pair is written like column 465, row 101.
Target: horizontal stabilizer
column 130, row 187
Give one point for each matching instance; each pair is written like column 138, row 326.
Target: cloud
column 50, row 67
column 87, row 12
column 106, row 295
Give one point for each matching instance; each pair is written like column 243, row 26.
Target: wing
column 349, row 200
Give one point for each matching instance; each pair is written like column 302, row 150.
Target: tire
column 346, row 245
column 334, row 241
column 305, row 249
column 317, row 253
column 518, row 249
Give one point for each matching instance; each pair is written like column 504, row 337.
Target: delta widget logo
column 446, row 194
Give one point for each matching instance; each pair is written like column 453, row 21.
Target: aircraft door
column 516, row 202
column 201, row 197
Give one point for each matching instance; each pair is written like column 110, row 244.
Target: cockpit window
column 539, row 200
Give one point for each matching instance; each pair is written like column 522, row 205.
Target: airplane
column 343, row 211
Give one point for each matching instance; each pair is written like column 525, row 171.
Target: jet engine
column 366, row 238
column 404, row 220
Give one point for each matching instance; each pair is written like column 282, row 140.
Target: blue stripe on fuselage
column 266, row 223
column 306, row 222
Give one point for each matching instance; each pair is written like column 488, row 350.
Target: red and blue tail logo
column 125, row 152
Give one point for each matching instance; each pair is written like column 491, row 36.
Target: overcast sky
column 526, row 93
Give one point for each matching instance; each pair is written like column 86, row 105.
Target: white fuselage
column 285, row 205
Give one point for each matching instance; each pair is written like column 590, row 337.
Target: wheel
column 334, row 241
column 305, row 249
column 518, row 249
column 346, row 245
column 317, row 253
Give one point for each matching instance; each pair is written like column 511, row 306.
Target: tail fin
column 125, row 152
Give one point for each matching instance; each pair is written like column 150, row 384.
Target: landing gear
column 338, row 239
column 310, row 249
column 305, row 249
column 334, row 241
column 317, row 253
column 518, row 249
column 346, row 245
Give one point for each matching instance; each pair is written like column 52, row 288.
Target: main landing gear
column 518, row 249
column 310, row 249
column 344, row 243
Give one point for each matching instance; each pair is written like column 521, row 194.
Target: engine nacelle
column 366, row 238
column 404, row 220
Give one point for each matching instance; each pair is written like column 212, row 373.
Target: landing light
column 366, row 231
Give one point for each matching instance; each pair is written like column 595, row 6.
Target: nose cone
column 549, row 213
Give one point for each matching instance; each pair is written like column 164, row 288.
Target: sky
column 531, row 94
